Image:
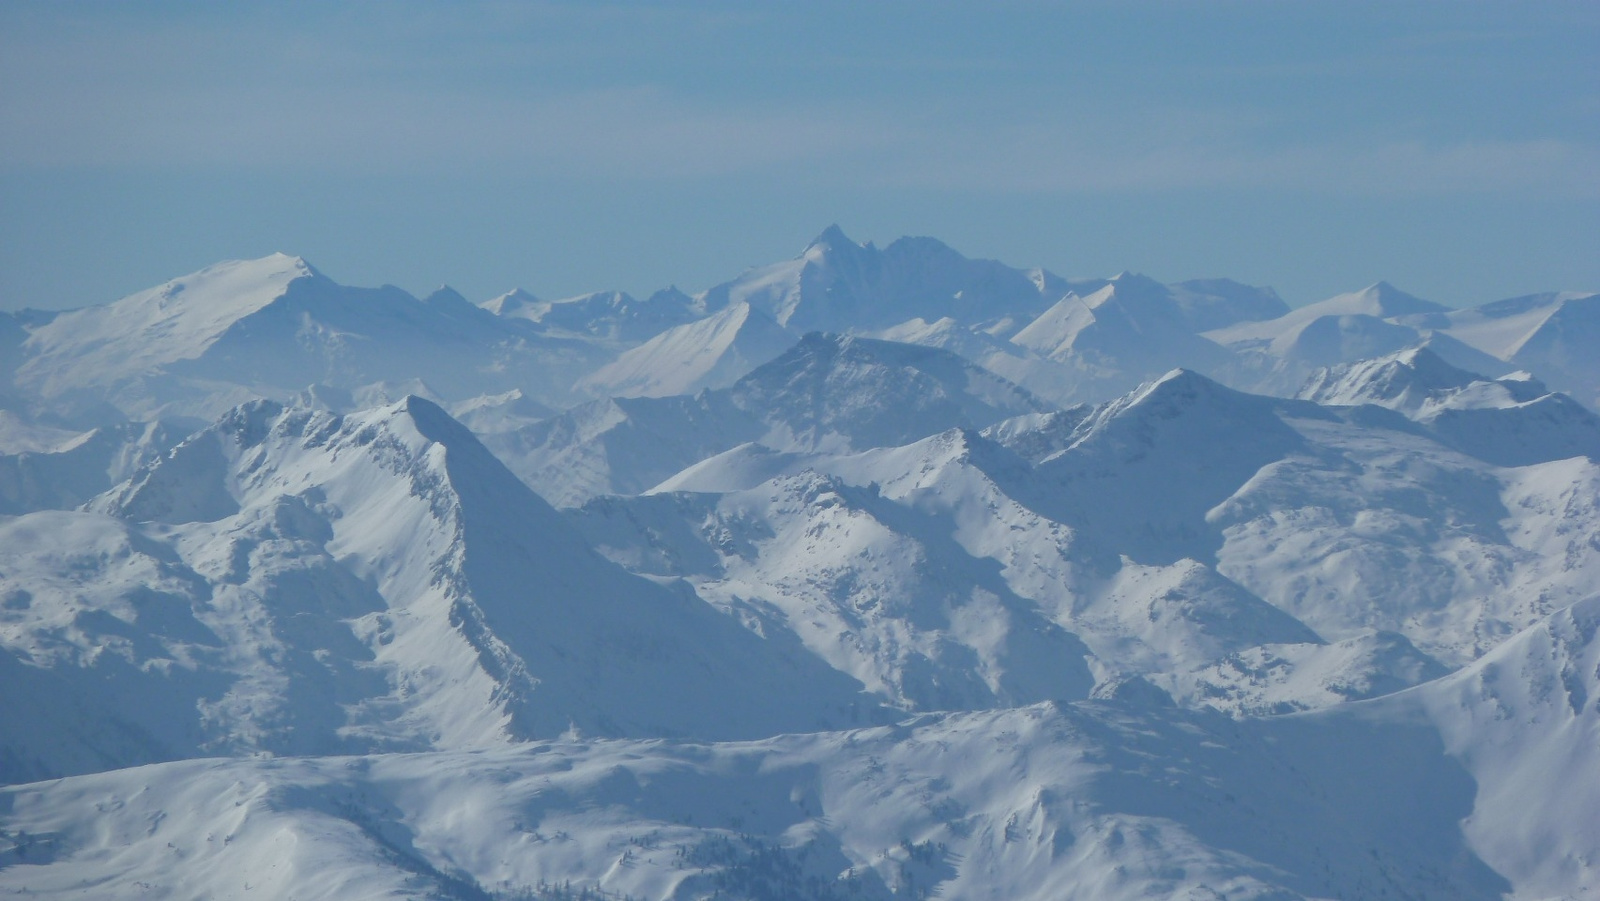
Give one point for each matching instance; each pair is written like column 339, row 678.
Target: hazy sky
column 1451, row 147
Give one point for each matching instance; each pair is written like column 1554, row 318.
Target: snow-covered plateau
column 877, row 573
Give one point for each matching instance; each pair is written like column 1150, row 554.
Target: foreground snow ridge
column 877, row 573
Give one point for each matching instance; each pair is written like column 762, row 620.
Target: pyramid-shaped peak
column 1130, row 286
column 1427, row 363
column 1387, row 292
column 1128, row 278
column 1429, row 369
column 446, row 296
column 832, row 237
column 430, row 420
column 1182, row 380
column 833, row 243
column 1183, row 389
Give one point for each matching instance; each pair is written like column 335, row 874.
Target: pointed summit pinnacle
column 832, row 237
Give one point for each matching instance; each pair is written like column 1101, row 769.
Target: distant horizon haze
column 1317, row 147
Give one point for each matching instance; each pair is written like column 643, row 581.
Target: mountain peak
column 1403, row 380
column 1383, row 300
column 446, row 297
column 832, row 238
column 433, row 423
column 1179, row 382
column 1130, row 278
column 277, row 267
column 875, row 393
column 510, row 303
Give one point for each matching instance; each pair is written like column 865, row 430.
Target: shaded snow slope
column 1128, row 331
column 1348, row 520
column 613, row 316
column 1525, row 722
column 1186, row 522
column 876, row 590
column 895, row 551
column 1510, row 421
column 82, row 467
column 1277, row 604
column 298, row 582
column 1380, row 301
column 621, row 445
column 1212, row 303
column 827, row 392
column 708, row 353
column 1472, row 786
column 1104, row 799
column 840, row 392
column 1553, row 335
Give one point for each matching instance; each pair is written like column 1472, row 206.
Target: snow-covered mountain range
column 871, row 574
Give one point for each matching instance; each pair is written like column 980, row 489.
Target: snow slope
column 1380, row 301
column 613, row 316
column 1120, row 335
column 1459, row 789
column 81, row 467
column 825, row 392
column 1186, row 530
column 837, row 285
column 1348, row 520
column 1513, row 421
column 855, row 615
column 708, row 353
column 873, row 589
column 201, row 344
column 1552, row 335
column 297, row 582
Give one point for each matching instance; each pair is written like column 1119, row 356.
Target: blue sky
column 1452, row 148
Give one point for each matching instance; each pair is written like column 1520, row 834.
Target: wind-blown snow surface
column 863, row 613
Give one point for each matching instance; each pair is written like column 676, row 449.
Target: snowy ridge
column 991, row 584
column 838, row 285
column 1122, row 334
column 1509, row 421
column 382, row 564
column 1107, row 798
column 1525, row 721
column 81, row 467
column 1380, row 301
column 202, row 344
column 827, row 392
column 179, row 320
column 708, row 353
column 613, row 316
column 899, row 608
